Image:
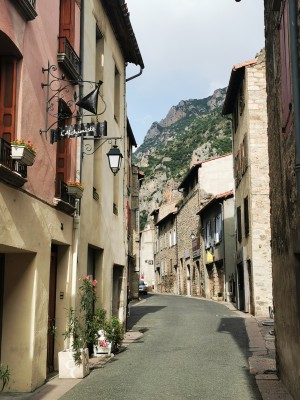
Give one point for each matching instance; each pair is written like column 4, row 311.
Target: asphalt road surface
column 190, row 349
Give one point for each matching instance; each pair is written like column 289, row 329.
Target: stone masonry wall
column 285, row 226
column 259, row 205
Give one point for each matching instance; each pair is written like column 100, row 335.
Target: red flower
column 94, row 282
column 87, row 278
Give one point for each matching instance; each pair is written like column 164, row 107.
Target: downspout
column 135, row 76
column 76, row 219
column 295, row 86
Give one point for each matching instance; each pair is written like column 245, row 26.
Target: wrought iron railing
column 70, row 59
column 63, row 193
column 5, row 159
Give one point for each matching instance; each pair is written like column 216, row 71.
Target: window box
column 22, row 154
column 75, row 190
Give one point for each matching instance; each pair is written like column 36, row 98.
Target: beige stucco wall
column 147, row 254
column 216, row 176
column 100, row 228
column 27, row 247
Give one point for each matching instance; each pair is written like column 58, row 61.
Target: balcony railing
column 63, row 201
column 67, row 58
column 11, row 171
column 27, row 7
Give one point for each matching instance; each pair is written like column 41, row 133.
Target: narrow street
column 190, row 349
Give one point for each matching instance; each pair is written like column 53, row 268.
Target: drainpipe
column 76, row 219
column 135, row 76
column 295, row 85
column 224, row 249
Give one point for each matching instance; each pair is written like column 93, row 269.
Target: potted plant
column 220, row 296
column 23, row 151
column 109, row 333
column 75, row 189
column 4, row 375
column 74, row 361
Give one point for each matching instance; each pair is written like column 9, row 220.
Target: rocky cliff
column 192, row 131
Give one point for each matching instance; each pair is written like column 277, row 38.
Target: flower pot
column 74, row 191
column 100, row 351
column 22, row 155
column 67, row 367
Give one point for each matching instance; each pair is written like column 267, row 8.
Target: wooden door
column 51, row 311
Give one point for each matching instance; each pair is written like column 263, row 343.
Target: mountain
column 192, row 131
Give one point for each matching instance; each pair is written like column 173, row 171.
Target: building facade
column 165, row 249
column 282, row 66
column 147, row 243
column 246, row 102
column 200, row 185
column 218, row 247
column 50, row 238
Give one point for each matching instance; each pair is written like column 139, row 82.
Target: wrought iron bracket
column 62, row 102
column 89, row 149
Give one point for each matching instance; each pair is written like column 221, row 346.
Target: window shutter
column 8, row 70
column 286, row 90
column 67, row 20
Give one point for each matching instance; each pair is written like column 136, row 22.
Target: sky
column 189, row 48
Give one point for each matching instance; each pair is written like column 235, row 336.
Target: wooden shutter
column 286, row 89
column 8, row 68
column 67, row 20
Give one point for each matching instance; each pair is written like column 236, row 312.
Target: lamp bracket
column 62, row 102
column 90, row 149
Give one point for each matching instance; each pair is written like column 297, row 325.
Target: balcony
column 63, row 201
column 27, row 8
column 11, row 171
column 68, row 59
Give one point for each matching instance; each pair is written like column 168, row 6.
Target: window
column 218, row 228
column 62, row 149
column 67, row 20
column 239, row 224
column 207, row 234
column 117, row 95
column 174, row 236
column 246, row 217
column 286, row 87
column 170, row 239
column 8, row 68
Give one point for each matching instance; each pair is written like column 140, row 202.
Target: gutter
column 295, row 86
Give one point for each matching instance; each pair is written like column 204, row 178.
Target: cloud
column 188, row 49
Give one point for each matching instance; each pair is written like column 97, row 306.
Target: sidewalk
column 262, row 362
column 56, row 387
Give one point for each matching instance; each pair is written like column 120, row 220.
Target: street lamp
column 114, row 159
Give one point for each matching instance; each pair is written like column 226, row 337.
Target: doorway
column 2, row 262
column 240, row 287
column 117, row 290
column 51, row 310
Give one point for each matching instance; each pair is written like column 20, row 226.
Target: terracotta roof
column 219, row 196
column 174, row 212
column 244, row 64
column 237, row 75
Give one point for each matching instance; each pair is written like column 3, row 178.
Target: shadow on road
column 136, row 313
column 237, row 329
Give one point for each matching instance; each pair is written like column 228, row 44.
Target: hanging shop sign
column 85, row 130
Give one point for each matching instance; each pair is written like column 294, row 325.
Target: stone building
column 49, row 236
column 218, row 247
column 246, row 103
column 165, row 249
column 282, row 66
column 204, row 180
